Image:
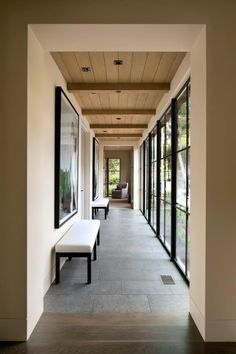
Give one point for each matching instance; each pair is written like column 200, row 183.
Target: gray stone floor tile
column 144, row 287
column 169, row 303
column 121, row 303
column 68, row 303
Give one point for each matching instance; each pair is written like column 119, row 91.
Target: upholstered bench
column 79, row 241
column 100, row 203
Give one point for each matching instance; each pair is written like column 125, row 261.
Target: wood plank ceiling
column 118, row 100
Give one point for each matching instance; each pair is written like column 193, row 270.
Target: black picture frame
column 95, row 168
column 66, row 158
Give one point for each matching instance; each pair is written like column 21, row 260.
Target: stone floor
column 126, row 277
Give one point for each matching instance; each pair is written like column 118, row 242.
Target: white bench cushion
column 100, row 203
column 80, row 238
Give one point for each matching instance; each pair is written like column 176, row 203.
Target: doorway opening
column 112, row 175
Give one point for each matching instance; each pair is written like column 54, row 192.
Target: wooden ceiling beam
column 117, row 112
column 118, row 126
column 120, row 87
column 118, row 135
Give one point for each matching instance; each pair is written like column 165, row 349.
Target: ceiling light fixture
column 86, row 69
column 118, row 62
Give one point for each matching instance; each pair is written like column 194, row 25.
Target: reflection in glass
column 162, row 220
column 168, row 225
column 181, row 179
column 168, row 133
column 153, row 212
column 182, row 121
column 162, row 140
column 168, row 179
column 154, row 145
column 180, row 237
column 162, row 176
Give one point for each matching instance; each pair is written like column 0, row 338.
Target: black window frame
column 146, row 171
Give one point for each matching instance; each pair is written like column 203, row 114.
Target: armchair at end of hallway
column 121, row 191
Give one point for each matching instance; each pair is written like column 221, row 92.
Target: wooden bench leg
column 57, row 280
column 89, row 265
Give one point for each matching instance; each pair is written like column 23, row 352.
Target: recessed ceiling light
column 118, row 62
column 86, row 69
column 118, row 118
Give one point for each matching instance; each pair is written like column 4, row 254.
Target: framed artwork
column 95, row 168
column 66, row 158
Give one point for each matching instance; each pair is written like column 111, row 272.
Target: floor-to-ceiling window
column 141, row 176
column 146, row 178
column 183, row 179
column 153, row 185
column 165, row 179
column 164, row 158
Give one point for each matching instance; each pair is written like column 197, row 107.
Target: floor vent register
column 167, row 280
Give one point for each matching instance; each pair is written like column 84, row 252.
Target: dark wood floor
column 116, row 334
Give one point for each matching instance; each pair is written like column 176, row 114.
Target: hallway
column 127, row 309
column 126, row 276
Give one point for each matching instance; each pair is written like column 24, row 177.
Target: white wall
column 43, row 76
column 198, row 183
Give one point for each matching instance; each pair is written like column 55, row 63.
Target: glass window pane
column 141, row 177
column 189, row 181
column 189, row 114
column 162, row 220
column 180, row 238
column 153, row 212
column 168, row 133
column 182, row 121
column 162, row 178
column 146, row 176
column 154, row 178
column 168, row 225
column 154, row 145
column 162, row 137
column 181, row 179
column 168, row 178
